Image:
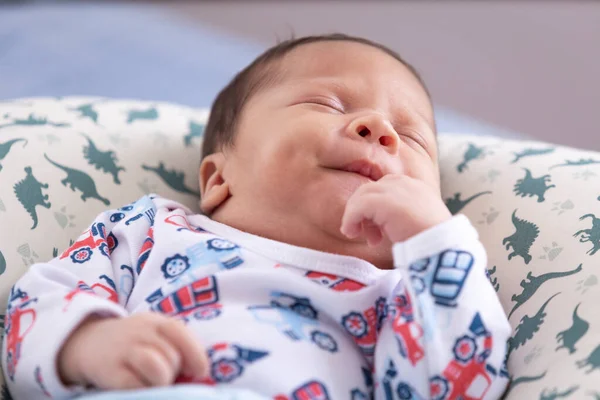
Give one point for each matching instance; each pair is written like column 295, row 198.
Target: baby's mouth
column 365, row 168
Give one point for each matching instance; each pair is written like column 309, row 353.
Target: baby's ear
column 213, row 188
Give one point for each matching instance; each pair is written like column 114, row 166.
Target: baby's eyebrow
column 334, row 85
column 339, row 86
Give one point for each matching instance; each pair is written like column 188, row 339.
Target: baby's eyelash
column 326, row 103
column 416, row 139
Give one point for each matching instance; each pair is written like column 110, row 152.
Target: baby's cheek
column 422, row 168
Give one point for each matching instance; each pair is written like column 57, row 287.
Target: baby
column 325, row 266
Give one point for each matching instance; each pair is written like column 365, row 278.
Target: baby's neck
column 305, row 235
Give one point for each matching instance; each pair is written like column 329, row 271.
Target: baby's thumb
column 199, row 367
column 194, row 360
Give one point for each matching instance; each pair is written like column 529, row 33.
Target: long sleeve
column 446, row 333
column 93, row 276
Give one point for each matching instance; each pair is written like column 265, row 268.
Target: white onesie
column 283, row 321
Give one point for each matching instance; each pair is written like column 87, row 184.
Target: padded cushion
column 537, row 209
column 535, row 205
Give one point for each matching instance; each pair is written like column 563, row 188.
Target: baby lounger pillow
column 536, row 207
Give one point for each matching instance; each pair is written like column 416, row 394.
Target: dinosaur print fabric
column 537, row 209
column 535, row 205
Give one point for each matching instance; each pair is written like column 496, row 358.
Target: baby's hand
column 127, row 353
column 396, row 206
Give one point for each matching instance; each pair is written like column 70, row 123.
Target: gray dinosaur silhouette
column 494, row 280
column 525, row 234
column 29, row 193
column 196, row 130
column 522, row 379
column 87, row 111
column 5, row 148
column 530, row 186
column 595, row 395
column 593, row 361
column 173, row 178
column 531, row 152
column 103, row 160
column 528, row 327
column 581, row 161
column 79, row 180
column 2, row 263
column 532, row 284
column 472, row 153
column 571, row 336
column 32, row 121
column 555, row 394
column 455, row 204
column 590, row 235
column 150, row 115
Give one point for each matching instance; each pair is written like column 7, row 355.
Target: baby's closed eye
column 323, row 102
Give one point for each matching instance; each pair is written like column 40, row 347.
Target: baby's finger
column 194, row 360
column 167, row 349
column 122, row 379
column 372, row 232
column 351, row 230
column 150, row 366
column 357, row 210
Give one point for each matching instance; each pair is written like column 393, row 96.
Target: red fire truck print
column 95, row 237
column 467, row 376
column 364, row 327
column 19, row 321
column 182, row 224
column 107, row 291
column 334, row 282
column 294, row 317
column 449, row 275
column 312, row 390
column 200, row 293
column 145, row 251
column 228, row 362
column 408, row 332
column 40, row 381
column 205, row 313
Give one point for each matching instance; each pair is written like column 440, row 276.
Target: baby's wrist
column 70, row 370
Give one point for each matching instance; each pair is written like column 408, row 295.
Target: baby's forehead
column 337, row 58
column 354, row 69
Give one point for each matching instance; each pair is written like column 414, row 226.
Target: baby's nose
column 375, row 129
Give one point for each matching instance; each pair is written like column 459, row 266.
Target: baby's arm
column 63, row 324
column 447, row 330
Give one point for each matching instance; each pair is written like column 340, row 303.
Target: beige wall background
column 528, row 66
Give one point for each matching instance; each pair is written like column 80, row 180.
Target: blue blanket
column 179, row 392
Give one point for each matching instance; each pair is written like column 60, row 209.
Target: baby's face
column 339, row 106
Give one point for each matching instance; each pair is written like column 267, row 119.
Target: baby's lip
column 365, row 168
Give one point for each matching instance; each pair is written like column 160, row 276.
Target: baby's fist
column 142, row 350
column 396, row 206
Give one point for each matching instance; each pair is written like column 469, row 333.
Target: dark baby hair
column 229, row 103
